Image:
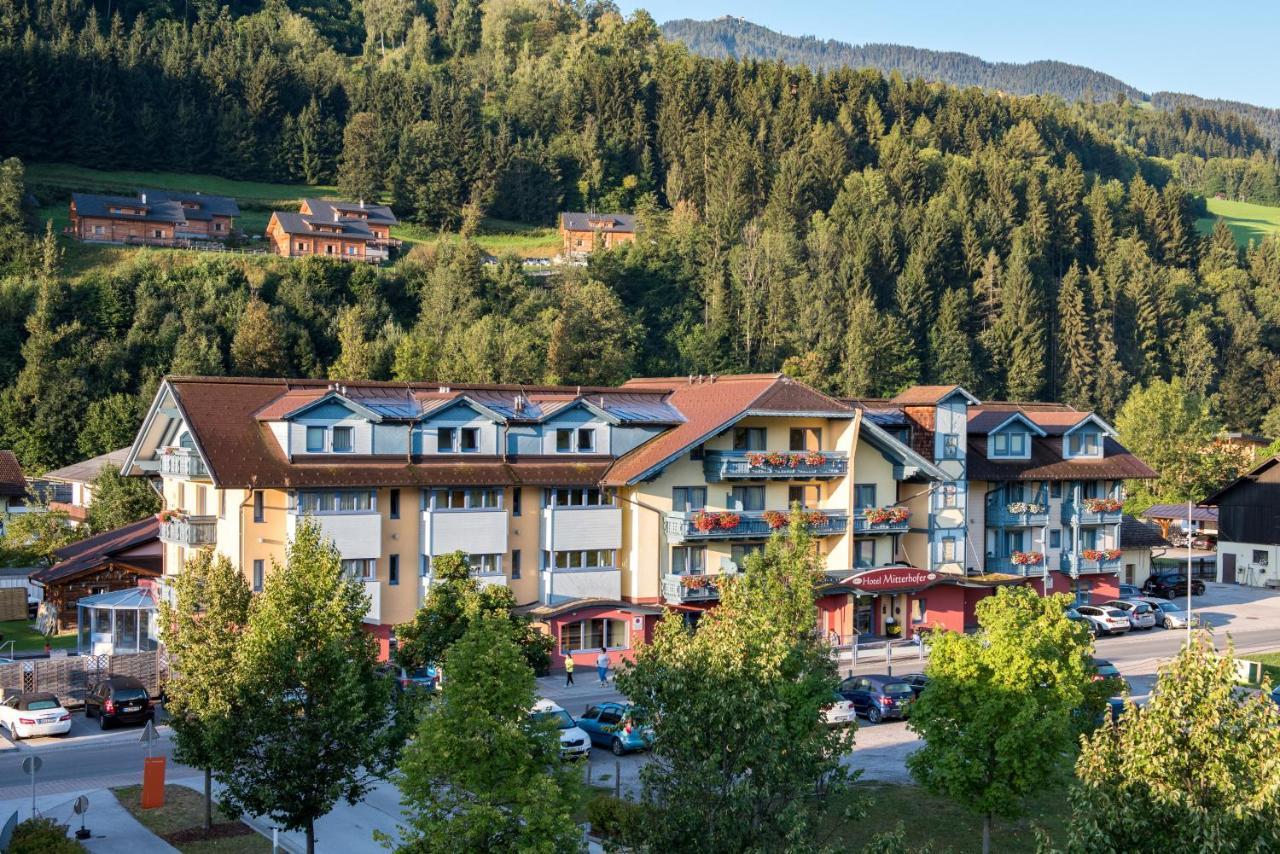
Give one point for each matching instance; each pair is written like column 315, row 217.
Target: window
column 1260, row 557
column 917, row 611
column 342, row 440
column 950, row 549
column 395, row 504
column 444, row 439
column 578, row 497
column 475, row 498
column 805, row 496
column 1013, row 542
column 315, row 440
column 515, row 501
column 485, row 564
column 337, row 501
column 258, row 572
column 157, row 233
column 1055, row 489
column 589, row 559
column 739, row 552
column 1010, row 443
column 747, row 498
column 217, row 226
column 363, row 569
column 593, row 634
column 468, row 440
column 864, row 553
column 586, row 440
column 258, row 510
column 950, row 446
column 1055, row 538
column 222, row 504
column 806, row 439
column 351, row 250
column 393, row 569
column 582, row 440
column 749, row 438
column 302, row 247
column 688, row 560
column 688, row 499
column 515, row 564
column 564, row 441
column 948, row 496
column 1085, row 443
column 1088, row 538
column 864, row 495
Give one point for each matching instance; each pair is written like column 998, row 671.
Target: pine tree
column 1075, row 357
column 951, row 342
column 914, row 297
column 257, row 349
column 1020, row 330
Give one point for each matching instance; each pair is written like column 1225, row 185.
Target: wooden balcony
column 1086, row 515
column 190, row 531
column 1031, row 513
column 1081, row 563
column 791, row 465
column 701, row 526
column 182, row 462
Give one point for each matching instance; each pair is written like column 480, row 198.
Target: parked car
column 1140, row 614
column 118, row 700
column 840, row 712
column 878, row 697
column 610, row 725
column 1128, row 591
column 1171, row 585
column 1104, row 620
column 1171, row 615
column 34, row 714
column 574, row 743
column 917, row 681
column 1104, row 669
column 413, row 679
column 1275, row 695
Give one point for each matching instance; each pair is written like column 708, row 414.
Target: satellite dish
column 81, row 805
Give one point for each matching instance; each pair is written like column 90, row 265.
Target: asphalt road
column 111, row 760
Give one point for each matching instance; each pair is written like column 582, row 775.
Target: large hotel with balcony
column 602, row 507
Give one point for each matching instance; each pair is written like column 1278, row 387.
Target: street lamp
column 1190, row 615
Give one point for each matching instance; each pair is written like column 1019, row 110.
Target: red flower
column 728, row 521
column 755, row 460
column 775, row 519
column 815, row 458
column 1026, row 558
column 705, row 522
column 816, row 518
column 776, row 459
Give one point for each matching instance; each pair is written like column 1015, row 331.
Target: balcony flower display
column 886, row 515
column 728, row 521
column 775, row 519
column 707, row 522
column 1100, row 554
column 1018, row 508
column 756, row 460
column 1103, row 505
column 815, row 518
column 696, row 582
column 1027, row 558
column 815, row 458
column 171, row 515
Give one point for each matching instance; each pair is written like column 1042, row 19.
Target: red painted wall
column 944, row 607
column 586, row 661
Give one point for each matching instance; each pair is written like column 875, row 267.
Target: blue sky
column 1215, row 50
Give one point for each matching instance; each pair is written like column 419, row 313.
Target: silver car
column 1173, row 615
column 1104, row 620
column 1141, row 615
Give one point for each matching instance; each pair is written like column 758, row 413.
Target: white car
column 35, row 714
column 574, row 742
column 1103, row 619
column 840, row 713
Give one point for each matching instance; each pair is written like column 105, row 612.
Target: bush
column 43, row 836
column 614, row 818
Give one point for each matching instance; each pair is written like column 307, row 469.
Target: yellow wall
column 524, row 535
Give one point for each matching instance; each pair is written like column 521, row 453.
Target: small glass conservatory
column 118, row 622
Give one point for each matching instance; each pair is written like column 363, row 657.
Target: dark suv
column 1171, row 586
column 878, row 697
column 118, row 699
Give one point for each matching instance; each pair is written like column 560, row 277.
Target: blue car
column 610, row 725
column 1275, row 695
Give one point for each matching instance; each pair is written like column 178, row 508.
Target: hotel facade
column 601, row 508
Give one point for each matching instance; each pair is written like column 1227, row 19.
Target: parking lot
column 83, row 731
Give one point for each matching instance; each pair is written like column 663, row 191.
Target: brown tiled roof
column 1046, row 463
column 923, row 395
column 100, row 549
column 12, row 481
column 1136, row 534
column 712, row 404
column 1051, row 419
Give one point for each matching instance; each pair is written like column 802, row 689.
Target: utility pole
column 1190, row 616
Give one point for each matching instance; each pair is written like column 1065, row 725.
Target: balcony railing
column 182, row 462
column 1007, row 565
column 682, row 589
column 190, row 530
column 1093, row 511
column 1091, row 562
column 1031, row 513
column 798, row 465
column 868, row 521
column 731, row 525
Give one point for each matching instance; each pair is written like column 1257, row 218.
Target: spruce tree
column 1019, row 334
column 1076, row 355
column 951, row 342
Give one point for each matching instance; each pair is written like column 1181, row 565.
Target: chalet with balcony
column 152, row 218
column 350, row 231
column 583, row 233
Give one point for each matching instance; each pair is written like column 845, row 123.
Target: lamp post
column 1190, row 616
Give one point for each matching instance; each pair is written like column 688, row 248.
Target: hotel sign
column 892, row 579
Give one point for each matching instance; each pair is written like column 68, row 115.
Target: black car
column 917, row 681
column 118, row 699
column 878, row 697
column 1171, row 586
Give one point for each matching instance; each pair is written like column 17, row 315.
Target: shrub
column 43, row 836
column 614, row 818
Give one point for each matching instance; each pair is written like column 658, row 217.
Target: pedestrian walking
column 568, row 671
column 602, row 667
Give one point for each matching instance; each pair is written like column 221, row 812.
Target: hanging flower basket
column 1018, row 508
column 887, row 515
column 1103, row 505
column 815, row 458
column 775, row 519
column 1027, row 558
column 728, row 521
column 756, row 460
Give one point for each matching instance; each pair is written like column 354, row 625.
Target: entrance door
column 862, row 617
column 1228, row 569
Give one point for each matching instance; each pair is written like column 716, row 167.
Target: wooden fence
column 70, row 677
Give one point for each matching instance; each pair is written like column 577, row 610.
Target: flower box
column 696, row 582
column 775, row 519
column 1100, row 554
column 886, row 515
column 706, row 522
column 1103, row 505
column 171, row 516
column 728, row 521
column 815, row 458
column 774, row 458
column 1027, row 558
column 815, row 518
column 1018, row 508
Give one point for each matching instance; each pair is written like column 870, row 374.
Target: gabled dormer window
column 1010, row 443
column 580, row 440
column 1085, row 443
column 457, row 440
column 338, row 440
column 342, row 440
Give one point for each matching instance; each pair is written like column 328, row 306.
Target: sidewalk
column 114, row 830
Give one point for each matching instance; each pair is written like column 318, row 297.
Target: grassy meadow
column 1248, row 222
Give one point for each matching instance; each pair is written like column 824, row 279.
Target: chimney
column 362, row 204
column 517, row 403
column 144, row 198
column 336, row 215
column 444, row 389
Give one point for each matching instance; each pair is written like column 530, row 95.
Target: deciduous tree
column 119, row 500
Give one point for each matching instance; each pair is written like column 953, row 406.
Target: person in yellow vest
column 568, row 671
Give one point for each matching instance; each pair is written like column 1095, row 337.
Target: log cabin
column 352, row 231
column 153, row 218
column 582, row 233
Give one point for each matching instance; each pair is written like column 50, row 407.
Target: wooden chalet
column 352, row 231
column 582, row 233
column 106, row 562
column 152, row 218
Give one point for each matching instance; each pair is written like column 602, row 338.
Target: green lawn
column 495, row 236
column 1248, row 222
column 1270, row 664
column 179, row 822
column 26, row 639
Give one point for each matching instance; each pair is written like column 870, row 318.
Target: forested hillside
column 859, row 232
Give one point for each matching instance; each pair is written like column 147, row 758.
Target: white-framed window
column 1009, row 443
column 464, row 498
column 457, row 440
column 688, row 560
column 351, row 250
column 593, row 634
column 575, row 440
column 586, row 440
column 217, row 226
column 301, row 247
column 361, row 569
column 588, row 559
column 485, row 564
column 337, row 501
column 342, row 440
column 1085, row 443
column 577, row 496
